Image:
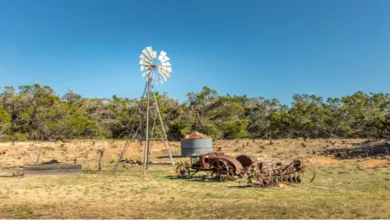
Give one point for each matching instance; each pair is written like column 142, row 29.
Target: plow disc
column 261, row 179
column 299, row 171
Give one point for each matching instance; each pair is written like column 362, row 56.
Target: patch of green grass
column 21, row 211
column 49, row 206
column 146, row 188
column 356, row 194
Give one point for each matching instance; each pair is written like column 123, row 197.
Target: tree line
column 34, row 112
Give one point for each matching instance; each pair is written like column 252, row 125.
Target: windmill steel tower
column 156, row 70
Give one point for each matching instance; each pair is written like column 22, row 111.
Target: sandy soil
column 85, row 152
column 342, row 188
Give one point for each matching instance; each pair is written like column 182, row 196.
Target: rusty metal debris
column 222, row 167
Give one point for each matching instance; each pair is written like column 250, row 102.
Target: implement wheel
column 307, row 172
column 221, row 170
column 183, row 171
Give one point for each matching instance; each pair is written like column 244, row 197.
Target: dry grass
column 342, row 189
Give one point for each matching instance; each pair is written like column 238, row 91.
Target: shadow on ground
column 361, row 150
column 198, row 178
column 89, row 171
column 173, row 156
column 246, row 187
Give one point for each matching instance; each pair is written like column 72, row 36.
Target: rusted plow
column 219, row 166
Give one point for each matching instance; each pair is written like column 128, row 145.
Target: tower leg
column 136, row 132
column 163, row 129
column 146, row 148
column 152, row 131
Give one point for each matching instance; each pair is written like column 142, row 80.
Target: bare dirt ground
column 353, row 181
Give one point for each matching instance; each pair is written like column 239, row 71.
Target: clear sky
column 271, row 49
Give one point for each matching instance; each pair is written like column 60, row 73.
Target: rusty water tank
column 196, row 143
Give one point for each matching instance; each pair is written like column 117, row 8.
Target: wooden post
column 101, row 159
column 39, row 156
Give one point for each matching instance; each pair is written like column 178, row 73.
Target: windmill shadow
column 93, row 171
column 202, row 178
column 244, row 187
column 167, row 157
column 362, row 150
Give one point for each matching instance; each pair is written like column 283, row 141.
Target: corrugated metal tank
column 196, row 143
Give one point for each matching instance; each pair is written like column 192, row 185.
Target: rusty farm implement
column 222, row 167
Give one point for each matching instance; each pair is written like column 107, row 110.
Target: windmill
column 156, row 70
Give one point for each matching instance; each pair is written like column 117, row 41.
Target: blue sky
column 271, row 49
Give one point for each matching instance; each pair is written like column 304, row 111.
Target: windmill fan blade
column 161, row 70
column 167, row 69
column 162, row 54
column 143, row 56
column 150, row 52
column 154, row 54
column 166, row 64
column 164, row 73
column 144, row 62
column 146, row 54
column 164, row 59
column 145, row 68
